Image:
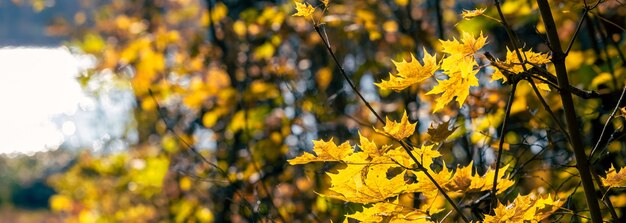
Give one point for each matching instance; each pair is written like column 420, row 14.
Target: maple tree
column 345, row 110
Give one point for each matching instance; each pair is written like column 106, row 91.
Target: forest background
column 438, row 111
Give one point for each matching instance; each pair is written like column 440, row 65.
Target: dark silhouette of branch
column 440, row 30
column 509, row 104
column 582, row 164
column 606, row 124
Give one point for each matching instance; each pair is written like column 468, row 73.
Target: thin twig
column 610, row 22
column 580, row 23
column 345, row 76
column 547, row 107
column 509, row 104
column 187, row 145
column 605, row 38
column 509, row 32
column 606, row 124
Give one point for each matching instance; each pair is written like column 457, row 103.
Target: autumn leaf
column 464, row 181
column 367, row 178
column 398, row 130
column 325, row 151
column 501, row 214
column 424, row 155
column 528, row 208
column 440, row 132
column 325, row 2
column 513, row 65
column 303, row 9
column 466, row 47
column 389, row 212
column 546, row 207
column 410, row 73
column 460, row 66
column 614, row 178
column 455, row 86
column 384, row 186
column 470, row 14
column 369, row 147
column 361, row 183
column 426, row 186
column 503, row 181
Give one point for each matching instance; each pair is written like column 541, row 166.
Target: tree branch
column 494, row 188
column 582, row 164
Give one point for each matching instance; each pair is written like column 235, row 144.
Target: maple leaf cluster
column 459, row 64
column 379, row 175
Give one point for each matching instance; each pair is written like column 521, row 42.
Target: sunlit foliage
column 230, row 93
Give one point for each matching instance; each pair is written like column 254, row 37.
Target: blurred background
column 187, row 110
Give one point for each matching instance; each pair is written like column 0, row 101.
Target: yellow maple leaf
column 364, row 184
column 398, row 130
column 424, row 155
column 303, row 9
column 325, row 151
column 614, row 178
column 526, row 208
column 460, row 66
column 369, row 147
column 440, row 132
column 466, row 47
column 501, row 214
column 463, row 181
column 467, row 14
column 503, row 182
column 455, row 86
column 410, row 73
column 426, row 186
column 546, row 207
column 389, row 212
column 384, row 187
column 514, row 65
